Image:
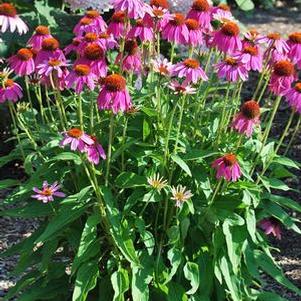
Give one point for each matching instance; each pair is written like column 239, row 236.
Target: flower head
column 95, row 151
column 73, row 47
column 11, row 91
column 233, row 69
column 157, row 182
column 222, row 12
column 159, row 3
column 117, row 24
column 22, row 63
column 195, row 37
column 36, row 40
column 227, row 167
column 181, row 89
column 201, row 11
column 162, row 66
column 77, row 139
column 48, row 192
column 271, row 226
column 251, row 57
column 293, row 96
column 294, row 43
column 135, row 8
column 180, row 195
column 132, row 59
column 9, row 19
column 143, row 29
column 275, row 43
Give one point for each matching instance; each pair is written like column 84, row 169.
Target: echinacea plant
column 166, row 178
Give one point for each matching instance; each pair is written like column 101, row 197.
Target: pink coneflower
column 253, row 37
column 191, row 70
column 162, row 66
column 180, row 195
column 247, row 118
column 275, row 42
column 41, row 33
column 142, row 30
column 95, row 151
column 11, row 91
column 77, row 139
column 222, row 12
column 48, row 192
column 22, row 63
column 87, row 39
column 10, row 20
column 53, row 66
column 73, row 47
column 282, row 77
column 181, row 89
column 134, row 8
column 232, row 69
column 227, row 38
column 107, row 41
column 227, row 167
column 271, row 226
column 195, row 37
column 114, row 95
column 98, row 21
column 176, row 30
column 132, row 60
column 294, row 43
column 117, row 24
column 201, row 11
column 161, row 17
column 94, row 57
column 80, row 76
column 251, row 57
column 159, row 4
column 50, row 48
column 293, row 96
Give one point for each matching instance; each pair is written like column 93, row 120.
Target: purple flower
column 294, row 43
column 41, row 33
column 11, row 91
column 293, row 97
column 77, row 139
column 201, row 11
column 232, row 69
column 48, row 192
column 251, row 57
column 22, row 63
column 271, row 226
column 195, row 37
column 135, row 8
column 95, row 151
column 117, row 24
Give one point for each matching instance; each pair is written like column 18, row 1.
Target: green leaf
column 35, row 209
column 285, row 161
column 284, row 201
column 129, row 179
column 8, row 183
column 245, row 4
column 146, row 129
column 120, row 283
column 195, row 154
column 266, row 263
column 269, row 296
column 181, row 163
column 251, row 223
column 174, row 256
column 45, row 13
column 67, row 156
column 274, row 183
column 86, row 279
column 191, row 272
column 176, row 292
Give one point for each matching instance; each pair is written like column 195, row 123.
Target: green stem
column 172, row 53
column 264, row 89
column 293, row 136
column 123, row 143
column 109, row 154
column 217, row 188
column 30, row 100
column 80, row 111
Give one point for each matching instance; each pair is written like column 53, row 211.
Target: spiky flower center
column 76, row 41
column 50, row 44
column 54, row 62
column 252, row 50
column 158, row 13
column 47, row 192
column 119, row 17
column 85, row 21
column 82, row 70
column 24, row 54
column 298, row 87
column 160, row 3
column 230, row 29
column 42, row 30
column 92, row 14
column 90, row 37
column 75, row 133
column 191, row 63
column 7, row 9
column 192, row 24
column 163, row 69
column 250, row 109
column 295, row 37
column 224, row 7
column 229, row 159
column 178, row 19
column 131, row 47
column 231, row 61
column 104, row 35
column 140, row 23
column 93, row 52
column 115, row 83
column 201, row 5
column 274, row 36
column 9, row 83
column 284, row 68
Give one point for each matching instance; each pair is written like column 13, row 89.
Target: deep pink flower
column 95, row 151
column 117, row 25
column 88, row 39
column 227, row 167
column 232, row 69
column 9, row 20
column 22, row 63
column 48, row 192
column 176, row 30
column 271, row 226
column 114, row 95
column 221, row 12
column 247, row 118
column 201, row 11
column 227, row 38
column 53, row 66
column 191, row 70
column 94, row 57
column 132, row 60
column 77, row 139
column 159, row 4
column 181, row 88
column 134, row 8
column 73, row 47
column 80, row 76
column 275, row 43
column 142, row 30
column 195, row 37
column 294, row 43
column 251, row 56
column 11, row 91
column 41, row 33
column 282, row 77
column 253, row 37
column 107, row 41
column 293, row 96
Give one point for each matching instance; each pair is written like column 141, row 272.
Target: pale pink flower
column 73, row 47
column 162, row 66
column 107, row 41
column 275, row 42
column 77, row 139
column 48, row 192
column 251, row 57
column 271, row 226
column 180, row 194
column 181, row 88
column 222, row 12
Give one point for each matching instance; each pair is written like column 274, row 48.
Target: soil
column 282, row 20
